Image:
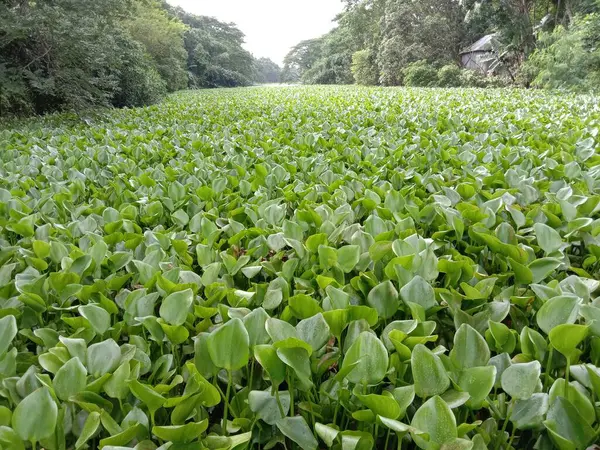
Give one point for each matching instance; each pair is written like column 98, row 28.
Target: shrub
column 566, row 58
column 420, row 73
column 449, row 76
column 472, row 78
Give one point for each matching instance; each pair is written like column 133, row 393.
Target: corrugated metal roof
column 487, row 43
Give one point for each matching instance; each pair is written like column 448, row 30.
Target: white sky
column 271, row 26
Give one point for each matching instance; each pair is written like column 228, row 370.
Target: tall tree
column 412, row 30
column 267, row 71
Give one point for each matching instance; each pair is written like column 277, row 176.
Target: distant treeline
column 544, row 43
column 74, row 54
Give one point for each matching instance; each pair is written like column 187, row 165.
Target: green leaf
column 266, row 355
column 70, row 379
column 91, row 425
column 314, row 331
column 8, row 331
column 380, row 405
column 255, row 326
column 296, row 429
column 125, row 437
column 384, row 298
column 529, row 414
column 35, row 417
column 557, row 311
column 265, row 405
column 96, row 316
column 542, row 268
column 523, row 274
column 429, row 374
column 147, row 395
column 436, row 419
column 304, row 306
column 548, row 238
column 478, row 382
column 116, row 386
column 470, row 348
column 565, row 338
column 175, row 307
column 520, row 380
column 228, row 346
column 568, row 430
column 420, row 292
column 348, row 257
column 577, row 398
column 180, row 433
column 103, row 357
column 10, row 440
column 371, row 359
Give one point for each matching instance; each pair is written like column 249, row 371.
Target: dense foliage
column 378, row 39
column 309, row 267
column 67, row 54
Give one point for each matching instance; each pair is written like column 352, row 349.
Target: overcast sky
column 271, row 26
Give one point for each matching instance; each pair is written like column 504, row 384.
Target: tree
column 364, row 69
column 301, row 58
column 267, row 71
column 430, row 30
column 162, row 38
column 333, row 66
column 70, row 55
column 215, row 53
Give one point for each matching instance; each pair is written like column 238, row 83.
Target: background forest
column 73, row 54
column 544, row 43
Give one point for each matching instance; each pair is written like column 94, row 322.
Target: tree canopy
column 69, row 54
column 376, row 41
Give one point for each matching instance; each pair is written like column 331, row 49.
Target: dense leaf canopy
column 352, row 268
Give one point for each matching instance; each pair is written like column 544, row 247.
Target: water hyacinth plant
column 303, row 268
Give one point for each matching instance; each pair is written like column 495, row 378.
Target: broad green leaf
column 35, row 417
column 8, row 331
column 296, row 429
column 314, row 331
column 175, row 307
column 146, row 395
column 548, row 238
column 70, row 379
column 380, row 405
column 266, row 405
column 90, row 427
column 436, row 419
column 266, row 355
column 557, row 311
column 103, row 357
column 384, row 298
column 228, row 345
column 96, row 316
column 180, row 433
column 565, row 338
column 529, row 414
column 429, row 374
column 420, row 292
column 470, row 348
column 255, row 326
column 520, row 380
column 371, row 357
column 478, row 382
column 567, row 429
column 116, row 386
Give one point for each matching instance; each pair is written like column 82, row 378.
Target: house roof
column 487, row 43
